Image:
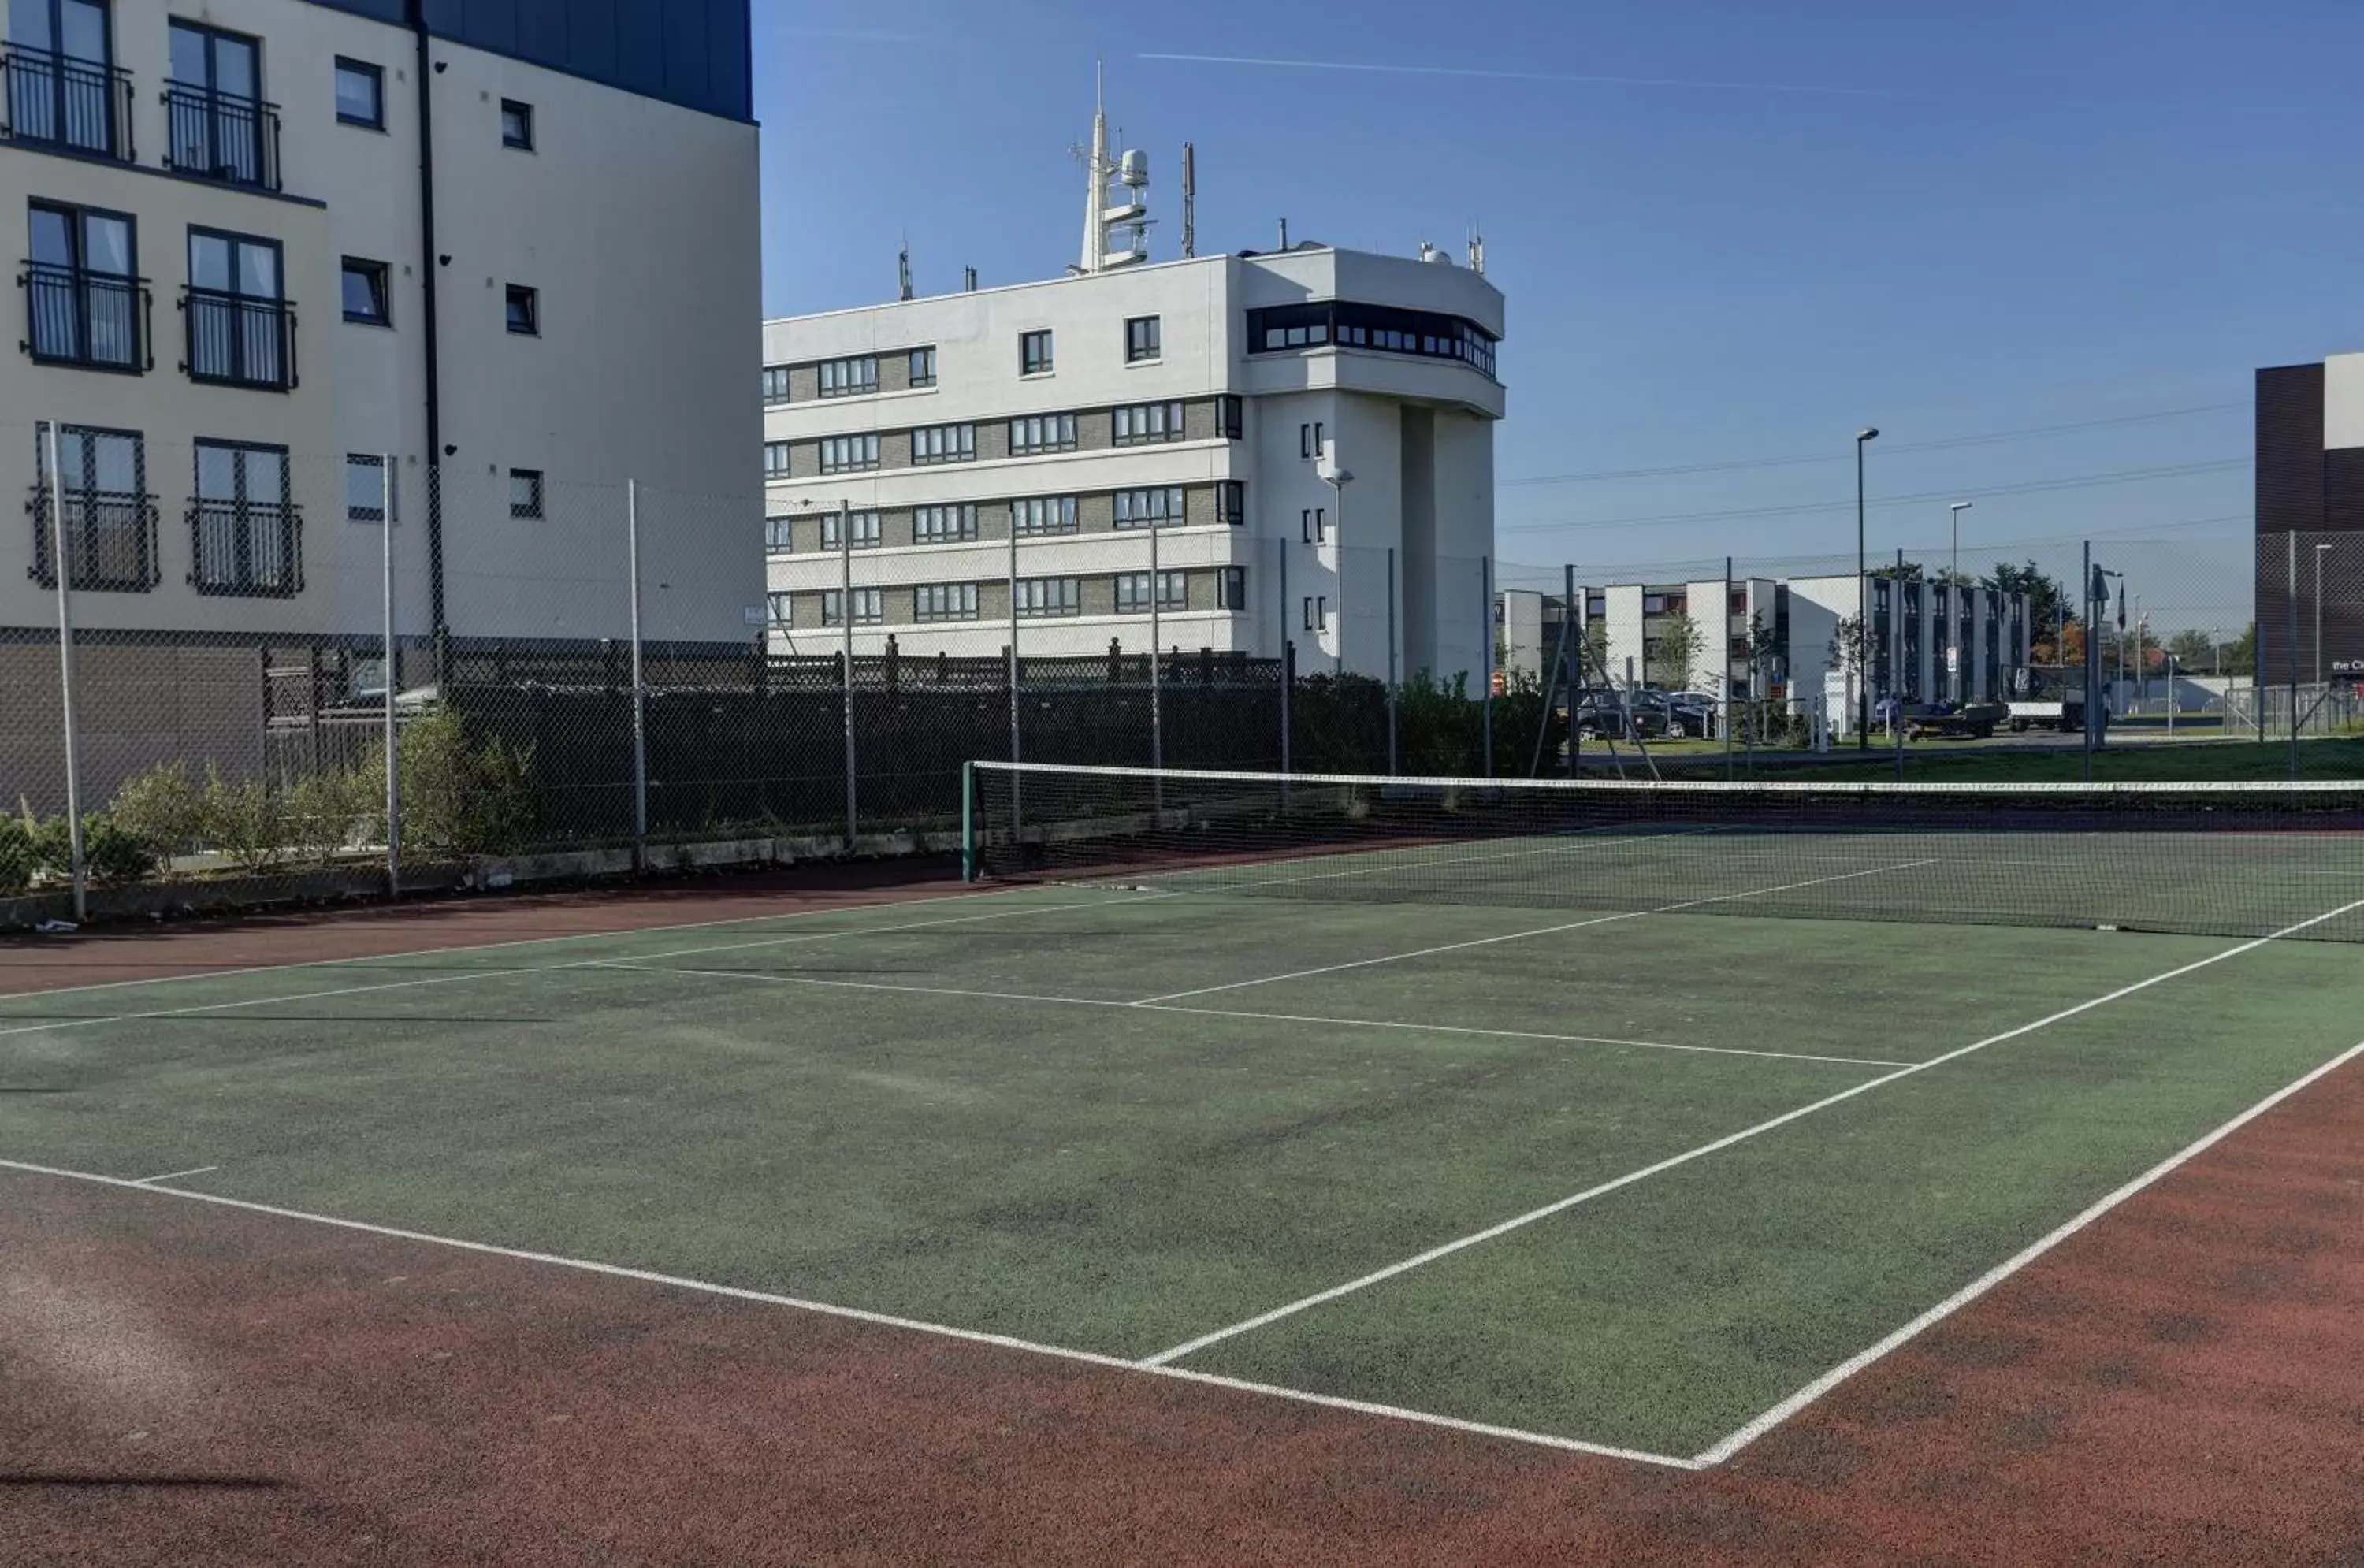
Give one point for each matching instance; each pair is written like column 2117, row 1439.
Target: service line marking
column 173, row 1175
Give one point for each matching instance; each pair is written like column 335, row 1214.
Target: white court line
column 489, row 973
column 1377, row 1276
column 630, row 967
column 2003, row 1270
column 511, row 943
column 1557, row 844
column 1538, row 932
column 173, row 1175
column 881, row 1319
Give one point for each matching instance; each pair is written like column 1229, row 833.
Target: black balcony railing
column 56, row 100
column 110, row 540
column 247, row 549
column 239, row 340
column 218, row 136
column 96, row 320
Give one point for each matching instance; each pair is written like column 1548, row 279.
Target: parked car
column 1602, row 713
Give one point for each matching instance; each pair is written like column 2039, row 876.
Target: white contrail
column 1530, row 75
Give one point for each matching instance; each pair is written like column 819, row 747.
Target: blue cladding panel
column 691, row 53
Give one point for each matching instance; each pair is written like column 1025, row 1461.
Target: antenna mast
column 903, row 270
column 1107, row 212
column 1189, row 200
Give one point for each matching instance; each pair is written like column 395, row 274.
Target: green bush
column 162, row 807
column 461, row 799
column 328, row 812
column 17, row 857
column 245, row 821
column 110, row 851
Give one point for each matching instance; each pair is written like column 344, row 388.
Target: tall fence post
column 2093, row 660
column 1156, row 655
column 393, row 682
column 1287, row 663
column 639, row 685
column 845, row 621
column 1572, row 624
column 2290, row 648
column 63, row 567
column 1485, row 628
column 1723, row 635
column 1392, row 671
column 1017, row 750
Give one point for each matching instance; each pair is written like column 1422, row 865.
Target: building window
column 776, row 459
column 849, row 454
column 849, row 378
column 1034, row 353
column 1310, row 440
column 517, row 124
column 1149, row 509
column 1143, row 340
column 1279, row 328
column 1232, row 501
column 923, row 367
column 245, row 530
column 365, row 293
column 861, row 527
column 364, row 488
column 775, row 384
column 1229, row 418
column 218, row 126
column 1317, row 613
column 1146, row 422
column 62, row 87
column 524, row 310
column 944, row 443
column 779, row 535
column 85, row 303
column 946, row 601
column 109, row 519
column 1044, row 514
column 1039, row 433
column 1132, row 592
column 1232, row 587
column 869, row 606
column 360, row 94
column 778, row 606
column 525, row 492
column 240, row 332
column 1313, row 524
column 943, row 525
column 1050, row 597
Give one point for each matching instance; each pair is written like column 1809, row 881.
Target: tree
column 1850, row 646
column 1905, row 571
column 2048, row 599
column 1677, row 644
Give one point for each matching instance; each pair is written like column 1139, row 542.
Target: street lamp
column 1954, row 621
column 1862, row 601
column 1338, row 478
column 2320, row 551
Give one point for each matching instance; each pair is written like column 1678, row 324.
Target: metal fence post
column 846, row 616
column 1391, row 661
column 2093, row 660
column 1017, row 753
column 1486, row 626
column 1573, row 626
column 1287, row 661
column 1723, row 634
column 1156, row 655
column 2290, row 648
column 65, row 569
column 639, row 685
column 392, row 733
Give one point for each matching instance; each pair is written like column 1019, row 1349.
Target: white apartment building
column 1215, row 453
column 269, row 240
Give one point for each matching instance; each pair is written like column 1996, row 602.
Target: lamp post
column 2320, row 551
column 1338, row 478
column 1954, row 595
column 1862, row 601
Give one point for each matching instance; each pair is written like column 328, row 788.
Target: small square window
column 361, row 95
column 365, row 293
column 525, row 310
column 1144, row 338
column 364, row 488
column 923, row 367
column 1034, row 353
column 525, row 492
column 517, row 124
column 775, row 384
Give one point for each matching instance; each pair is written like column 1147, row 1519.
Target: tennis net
column 2209, row 860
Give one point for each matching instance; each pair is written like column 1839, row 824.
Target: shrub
column 458, row 799
column 110, row 851
column 327, row 811
column 162, row 807
column 244, row 820
column 17, row 857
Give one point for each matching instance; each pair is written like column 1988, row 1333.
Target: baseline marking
column 1986, row 1281
column 1538, row 932
column 532, row 969
column 173, row 1175
column 1445, row 1250
column 1554, row 844
column 1231, row 1013
column 882, row 1319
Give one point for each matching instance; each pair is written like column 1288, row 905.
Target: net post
column 392, row 739
column 969, row 855
column 65, row 569
column 639, row 685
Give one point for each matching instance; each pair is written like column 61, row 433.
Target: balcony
column 247, row 549
column 238, row 340
column 57, row 100
column 218, row 136
column 110, row 540
column 89, row 320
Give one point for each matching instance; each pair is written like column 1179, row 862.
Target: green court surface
column 1304, row 1144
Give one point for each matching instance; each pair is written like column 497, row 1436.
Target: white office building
column 270, row 241
column 1226, row 452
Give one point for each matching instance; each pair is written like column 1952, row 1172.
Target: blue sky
column 1756, row 227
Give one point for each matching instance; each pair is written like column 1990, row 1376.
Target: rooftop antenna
column 903, row 269
column 1189, row 200
column 1107, row 212
column 1477, row 247
column 968, row 279
column 1284, row 233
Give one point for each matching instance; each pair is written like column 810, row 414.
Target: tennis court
column 1629, row 1139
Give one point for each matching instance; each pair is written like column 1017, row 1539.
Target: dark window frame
column 946, row 443
column 1231, row 502
column 536, row 506
column 346, row 65
column 786, row 450
column 1035, row 352
column 242, row 516
column 82, row 283
column 242, row 304
column 205, row 106
column 1144, row 340
column 918, row 376
column 775, row 376
column 382, row 275
column 965, row 602
column 374, row 513
column 102, row 565
column 527, row 295
column 530, row 138
column 1069, row 598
